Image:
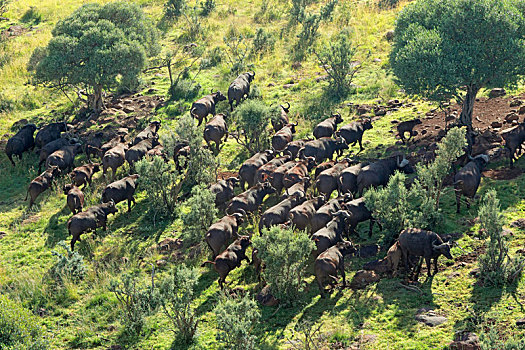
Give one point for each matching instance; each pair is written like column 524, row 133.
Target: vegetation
column 19, row 329
column 285, row 254
column 119, row 39
column 454, row 33
column 202, row 213
column 251, row 119
column 236, row 319
column 496, row 267
column 84, row 314
column 69, row 266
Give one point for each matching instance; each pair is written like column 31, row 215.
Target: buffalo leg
column 321, row 288
column 360, row 145
column 468, row 202
column 429, row 265
column 11, row 159
column 342, row 270
column 458, row 202
column 435, row 265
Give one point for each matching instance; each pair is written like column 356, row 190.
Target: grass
column 85, row 315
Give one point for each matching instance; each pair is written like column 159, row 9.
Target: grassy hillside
column 85, row 315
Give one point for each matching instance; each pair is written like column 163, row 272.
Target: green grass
column 85, row 315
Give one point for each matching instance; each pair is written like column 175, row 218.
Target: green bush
column 327, row 10
column 491, row 340
column 212, row 58
column 174, row 8
column 19, row 329
column 398, row 207
column 336, row 58
column 237, row 50
column 69, row 265
column 262, row 42
column 207, row 7
column 201, row 215
column 236, row 318
column 4, row 6
column 285, row 254
column 388, row 4
column 307, row 36
column 251, row 120
column 135, row 301
column 177, row 292
column 495, row 266
column 6, row 104
column 184, row 90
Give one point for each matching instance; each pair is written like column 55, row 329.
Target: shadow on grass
column 56, row 232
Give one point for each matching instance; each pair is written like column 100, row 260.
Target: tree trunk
column 95, row 101
column 465, row 119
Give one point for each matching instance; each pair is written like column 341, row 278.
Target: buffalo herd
column 302, row 175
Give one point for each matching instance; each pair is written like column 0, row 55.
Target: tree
column 336, row 59
column 251, row 119
column 201, row 215
column 95, row 47
column 447, row 49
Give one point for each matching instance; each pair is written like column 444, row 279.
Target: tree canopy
column 95, row 47
column 453, row 48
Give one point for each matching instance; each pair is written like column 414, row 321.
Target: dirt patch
column 13, row 31
column 226, row 174
column 470, row 257
column 503, row 174
column 30, row 220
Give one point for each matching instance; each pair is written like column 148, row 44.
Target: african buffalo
column 407, row 126
column 21, row 142
column 278, row 214
column 359, row 213
column 279, row 122
column 347, row 181
column 323, row 148
column 89, row 220
column 265, row 171
column 282, row 137
column 82, row 175
column 206, row 105
column 327, row 181
column 353, row 132
column 231, row 258
column 221, row 232
column 41, row 183
column 215, row 130
column 249, row 167
column 301, row 215
column 332, row 233
column 51, row 147
column 325, row 213
column 377, row 173
column 277, row 175
column 114, row 158
column 224, row 191
column 299, row 171
column 148, row 133
column 250, row 200
column 299, row 188
column 121, row 190
column 329, row 262
column 49, row 133
column 139, row 150
column 467, row 179
column 327, row 127
column 513, row 138
column 428, row 244
column 240, row 88
column 75, row 198
column 64, row 158
column 294, row 147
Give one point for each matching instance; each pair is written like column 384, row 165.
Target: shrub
column 263, row 42
column 184, row 89
column 4, row 4
column 387, row 4
column 207, row 7
column 212, row 59
column 136, row 302
column 235, row 322
column 201, row 215
column 69, row 265
column 398, row 208
column 19, row 329
column 495, row 266
column 336, row 58
column 327, row 10
column 492, row 340
column 237, row 50
column 6, row 104
column 194, row 29
column 285, row 254
column 177, row 292
column 174, row 8
column 307, row 36
column 251, row 119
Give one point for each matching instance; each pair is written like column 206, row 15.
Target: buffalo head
column 244, row 241
column 338, row 118
column 286, row 109
column 346, row 248
column 31, row 127
column 218, row 96
column 443, row 248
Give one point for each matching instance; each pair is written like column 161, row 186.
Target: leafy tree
column 95, row 47
column 177, row 292
column 447, row 49
column 19, row 329
column 285, row 254
column 336, row 58
column 495, row 266
column 307, row 36
column 251, row 119
column 235, row 321
column 201, row 215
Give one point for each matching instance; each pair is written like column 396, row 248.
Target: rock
column 18, row 124
column 363, row 278
column 520, row 223
column 394, row 121
column 169, row 244
column 497, row 92
column 474, row 272
column 521, row 110
column 379, row 111
column 321, row 78
column 496, row 125
column 430, row 318
column 389, row 35
column 377, row 60
column 363, row 109
column 152, row 104
column 151, row 91
column 368, row 251
column 287, row 86
column 128, row 109
column 521, row 251
column 511, row 117
column 465, row 341
column 161, row 263
column 118, row 106
column 423, row 132
column 2, row 234
column 520, row 322
column 265, row 298
column 516, row 103
column 271, row 85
